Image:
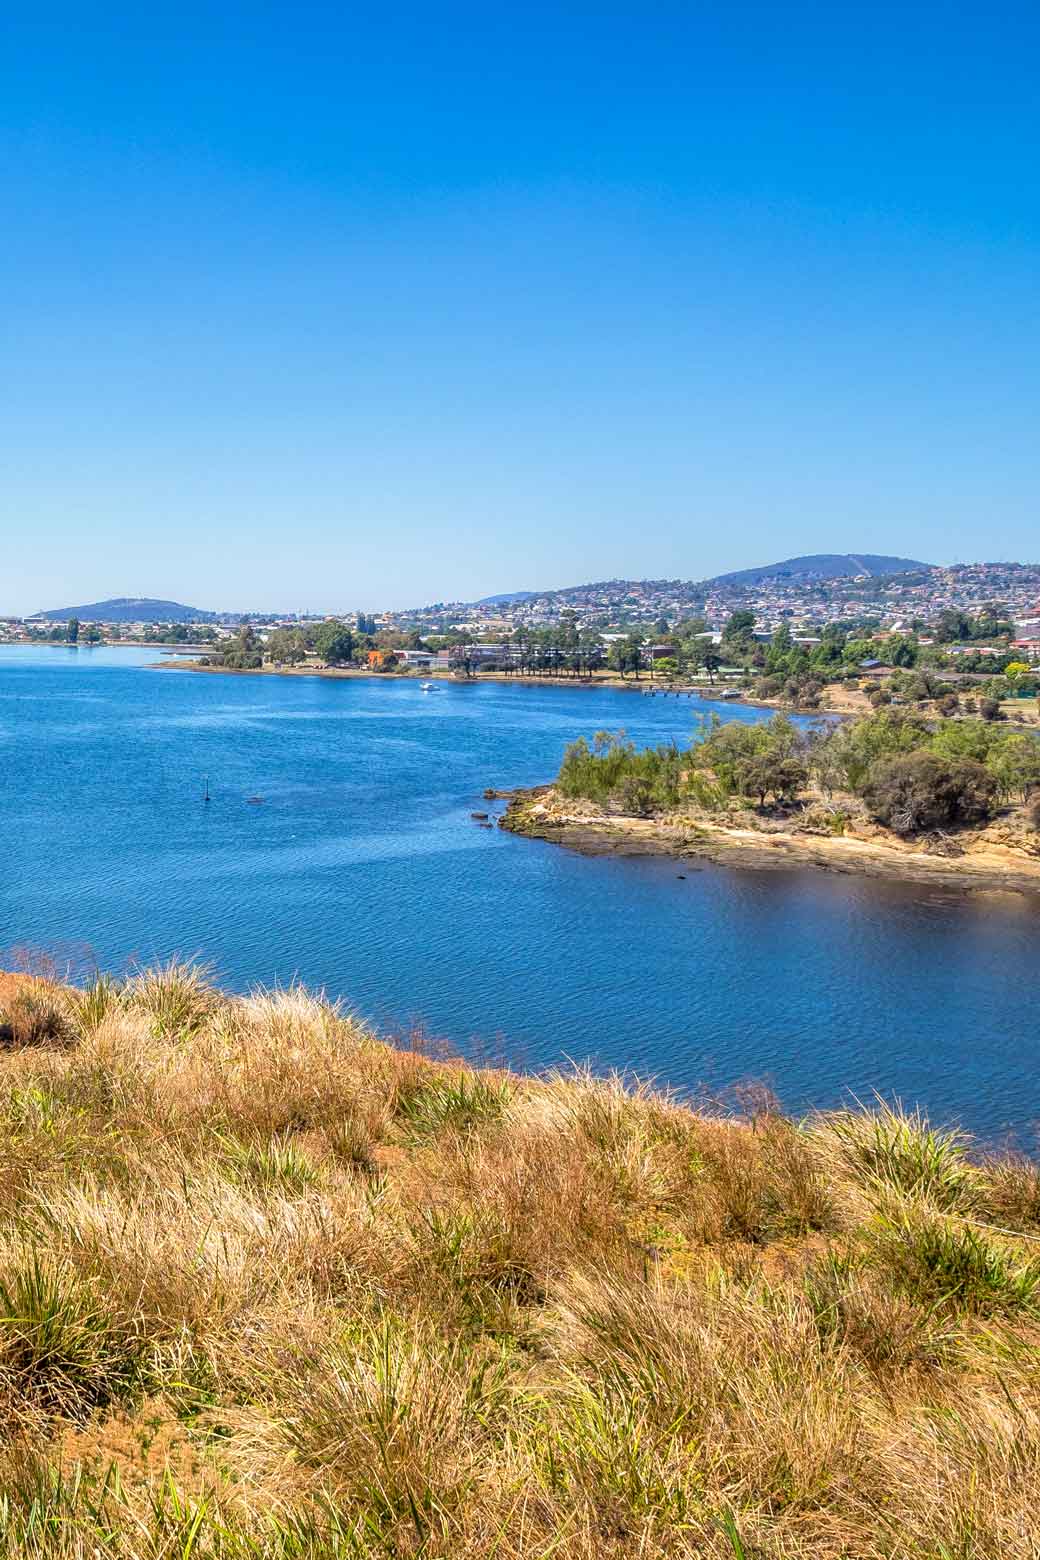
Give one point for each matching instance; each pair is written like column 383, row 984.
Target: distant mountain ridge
column 131, row 609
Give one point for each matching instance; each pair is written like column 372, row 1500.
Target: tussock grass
column 35, row 1016
column 269, row 1288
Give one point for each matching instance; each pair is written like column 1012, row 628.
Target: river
column 338, row 848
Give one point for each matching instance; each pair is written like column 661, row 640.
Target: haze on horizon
column 318, row 309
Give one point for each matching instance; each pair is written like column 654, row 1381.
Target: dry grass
column 271, row 1288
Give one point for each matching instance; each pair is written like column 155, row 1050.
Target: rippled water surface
column 339, row 848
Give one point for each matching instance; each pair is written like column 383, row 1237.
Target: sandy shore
column 985, row 865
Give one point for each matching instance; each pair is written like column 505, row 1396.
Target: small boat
column 426, row 687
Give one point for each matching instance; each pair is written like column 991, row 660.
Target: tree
column 953, row 625
column 72, row 630
column 739, row 622
column 1014, row 762
column 626, row 655
column 286, row 648
column 243, row 652
column 737, row 635
column 901, row 651
column 925, row 791
column 712, row 662
column 334, row 643
column 771, row 772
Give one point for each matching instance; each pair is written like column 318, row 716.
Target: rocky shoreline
column 984, row 866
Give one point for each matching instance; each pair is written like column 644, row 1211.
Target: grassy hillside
column 269, row 1287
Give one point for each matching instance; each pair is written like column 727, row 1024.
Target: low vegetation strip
column 271, row 1287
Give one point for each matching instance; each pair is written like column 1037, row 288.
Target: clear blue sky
column 341, row 305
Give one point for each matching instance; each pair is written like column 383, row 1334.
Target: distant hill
column 820, row 566
column 507, row 598
column 130, row 609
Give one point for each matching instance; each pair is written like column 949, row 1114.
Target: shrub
column 635, row 796
column 990, row 709
column 923, row 791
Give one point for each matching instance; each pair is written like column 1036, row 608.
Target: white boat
column 426, row 687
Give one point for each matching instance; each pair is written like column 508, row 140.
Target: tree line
column 908, row 775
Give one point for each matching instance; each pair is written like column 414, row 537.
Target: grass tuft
column 176, row 997
column 35, row 1017
column 58, row 1343
column 892, row 1150
column 458, row 1102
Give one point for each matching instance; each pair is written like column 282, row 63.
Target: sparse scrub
column 269, row 1288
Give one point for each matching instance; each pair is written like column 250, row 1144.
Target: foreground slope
column 271, row 1287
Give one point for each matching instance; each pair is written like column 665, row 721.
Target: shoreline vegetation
column 949, row 803
column 271, row 1287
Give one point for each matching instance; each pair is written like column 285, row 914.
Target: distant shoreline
column 526, row 679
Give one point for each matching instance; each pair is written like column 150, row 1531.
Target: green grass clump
column 277, row 1164
column 891, row 1150
column 177, row 997
column 93, row 1004
column 938, row 1263
column 458, row 1102
column 59, row 1344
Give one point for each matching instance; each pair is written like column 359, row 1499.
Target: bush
column 924, row 791
column 990, row 709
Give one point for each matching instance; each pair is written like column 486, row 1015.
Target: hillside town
column 497, row 632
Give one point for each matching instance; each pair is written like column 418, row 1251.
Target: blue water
column 360, row 870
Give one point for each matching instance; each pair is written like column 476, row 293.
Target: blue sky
column 321, row 306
